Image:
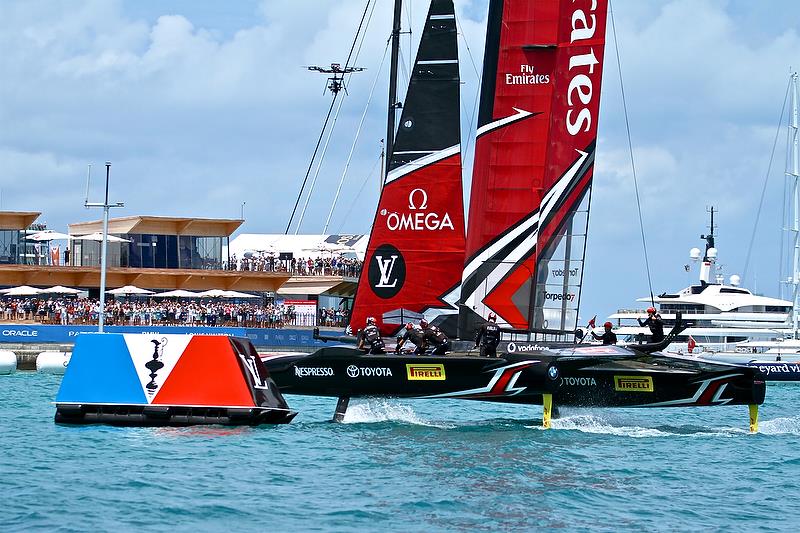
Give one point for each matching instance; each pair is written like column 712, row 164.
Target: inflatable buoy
column 52, row 362
column 8, row 362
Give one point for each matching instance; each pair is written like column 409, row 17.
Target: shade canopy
column 22, row 290
column 48, row 235
column 219, row 293
column 99, row 237
column 179, row 293
column 129, row 289
column 60, row 289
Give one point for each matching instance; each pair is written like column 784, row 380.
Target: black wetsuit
column 656, row 326
column 369, row 339
column 608, row 337
column 488, row 338
column 417, row 338
column 434, row 337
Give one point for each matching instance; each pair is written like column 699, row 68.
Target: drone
column 336, row 81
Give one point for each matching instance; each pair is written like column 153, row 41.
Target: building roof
column 157, row 225
column 18, row 220
column 150, row 278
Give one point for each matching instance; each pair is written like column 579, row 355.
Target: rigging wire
column 764, row 190
column 473, row 121
column 325, row 123
column 358, row 194
column 333, row 126
column 630, row 149
column 355, row 140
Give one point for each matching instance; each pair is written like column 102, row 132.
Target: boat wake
column 597, row 424
column 380, row 410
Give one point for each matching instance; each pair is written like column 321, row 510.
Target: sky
column 206, row 109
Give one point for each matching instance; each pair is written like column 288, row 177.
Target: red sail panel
column 534, row 153
column 416, row 250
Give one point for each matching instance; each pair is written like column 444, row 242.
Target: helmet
column 651, row 310
column 423, row 323
column 493, row 317
column 409, row 326
column 370, row 320
column 608, row 325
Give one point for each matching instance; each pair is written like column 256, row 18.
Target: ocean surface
column 404, row 466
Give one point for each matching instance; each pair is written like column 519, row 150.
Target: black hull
column 179, row 416
column 627, row 379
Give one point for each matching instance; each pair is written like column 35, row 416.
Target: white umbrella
column 179, row 293
column 129, row 289
column 236, row 294
column 99, row 237
column 59, row 289
column 48, row 235
column 22, row 290
column 212, row 293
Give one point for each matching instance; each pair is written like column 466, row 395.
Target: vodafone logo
column 418, row 218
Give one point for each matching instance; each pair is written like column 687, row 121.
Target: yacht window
column 733, row 291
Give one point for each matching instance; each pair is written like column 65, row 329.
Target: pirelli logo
column 425, row 372
column 633, row 383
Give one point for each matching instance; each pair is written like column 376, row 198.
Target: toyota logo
column 352, row 371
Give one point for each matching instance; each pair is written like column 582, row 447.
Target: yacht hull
column 625, row 379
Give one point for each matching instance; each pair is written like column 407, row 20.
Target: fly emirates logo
column 418, row 217
column 580, row 90
column 527, row 76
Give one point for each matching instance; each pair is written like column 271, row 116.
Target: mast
column 398, row 5
column 793, row 174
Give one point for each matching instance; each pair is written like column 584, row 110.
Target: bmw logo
column 552, row 372
column 352, row 371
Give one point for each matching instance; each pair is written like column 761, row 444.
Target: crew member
column 434, row 337
column 654, row 322
column 608, row 336
column 415, row 335
column 488, row 337
column 369, row 338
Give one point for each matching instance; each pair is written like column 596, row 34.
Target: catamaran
column 521, row 256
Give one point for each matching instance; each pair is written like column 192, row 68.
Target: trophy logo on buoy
column 154, row 365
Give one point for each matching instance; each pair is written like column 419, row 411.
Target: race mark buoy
column 52, row 362
column 167, row 380
column 8, row 362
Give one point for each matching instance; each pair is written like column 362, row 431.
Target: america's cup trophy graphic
column 155, row 365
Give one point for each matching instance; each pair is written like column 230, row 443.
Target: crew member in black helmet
column 654, row 322
column 415, row 335
column 488, row 337
column 369, row 338
column 608, row 336
column 433, row 336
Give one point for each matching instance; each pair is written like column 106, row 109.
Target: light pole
column 104, row 247
column 243, row 204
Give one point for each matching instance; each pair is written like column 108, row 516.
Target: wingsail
column 534, row 160
column 416, row 248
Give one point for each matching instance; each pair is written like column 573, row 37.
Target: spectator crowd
column 297, row 266
column 71, row 311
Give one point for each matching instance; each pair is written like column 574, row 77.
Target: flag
column 692, row 343
column 592, row 321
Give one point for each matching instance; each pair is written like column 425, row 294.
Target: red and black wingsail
column 416, row 248
column 534, row 159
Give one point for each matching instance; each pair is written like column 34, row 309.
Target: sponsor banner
column 578, row 382
column 421, row 372
column 633, row 384
column 514, row 347
column 313, row 372
column 261, row 337
column 355, row 371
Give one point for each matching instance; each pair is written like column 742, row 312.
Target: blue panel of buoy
column 101, row 371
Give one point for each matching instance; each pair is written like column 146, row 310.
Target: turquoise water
column 404, row 466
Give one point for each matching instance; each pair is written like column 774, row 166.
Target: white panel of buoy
column 52, row 362
column 8, row 362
